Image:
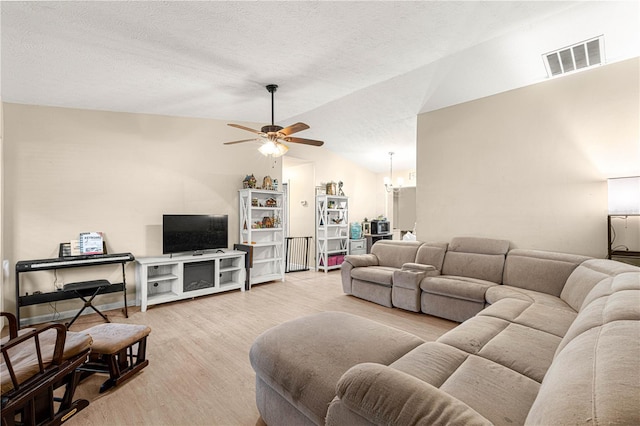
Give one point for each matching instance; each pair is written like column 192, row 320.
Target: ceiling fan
column 274, row 136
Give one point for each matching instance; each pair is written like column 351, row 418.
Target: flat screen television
column 194, row 232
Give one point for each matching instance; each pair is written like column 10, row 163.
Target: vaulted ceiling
column 357, row 72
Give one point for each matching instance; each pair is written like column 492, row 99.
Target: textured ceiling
column 357, row 72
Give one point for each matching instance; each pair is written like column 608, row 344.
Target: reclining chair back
column 395, row 253
column 481, row 258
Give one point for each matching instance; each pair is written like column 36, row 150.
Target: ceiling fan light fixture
column 273, row 149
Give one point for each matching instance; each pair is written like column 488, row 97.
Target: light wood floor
column 198, row 350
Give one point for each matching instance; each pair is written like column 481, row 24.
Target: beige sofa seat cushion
column 382, row 395
column 500, row 292
column 382, row 275
column 497, row 392
column 550, row 319
column 457, row 287
column 431, row 362
column 522, row 349
column 586, row 276
column 542, row 271
column 303, row 359
column 593, row 380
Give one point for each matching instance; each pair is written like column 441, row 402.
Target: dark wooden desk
column 87, row 289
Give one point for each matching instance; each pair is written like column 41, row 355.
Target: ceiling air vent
column 585, row 54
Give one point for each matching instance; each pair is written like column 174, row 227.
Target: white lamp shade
column 624, row 195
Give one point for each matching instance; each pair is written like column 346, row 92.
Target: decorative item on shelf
column 331, row 204
column 249, row 182
column 267, row 222
column 331, row 188
column 254, row 202
column 366, row 227
column 337, row 220
column 356, row 231
column 271, row 202
column 267, row 183
column 321, row 189
column 275, row 184
column 340, row 191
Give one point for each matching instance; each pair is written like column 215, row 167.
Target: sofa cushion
column 498, row 393
column 479, row 245
column 537, row 270
column 382, row 275
column 593, row 380
column 431, row 254
column 457, row 287
column 481, row 258
column 395, row 253
column 625, row 281
column 623, row 304
column 303, row 359
column 550, row 319
column 520, row 348
column 500, row 292
column 587, row 275
column 364, row 390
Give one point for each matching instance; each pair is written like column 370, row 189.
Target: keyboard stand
column 97, row 285
column 86, row 290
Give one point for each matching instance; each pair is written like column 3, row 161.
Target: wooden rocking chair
column 35, row 362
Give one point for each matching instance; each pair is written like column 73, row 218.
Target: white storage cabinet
column 332, row 231
column 262, row 226
column 167, row 279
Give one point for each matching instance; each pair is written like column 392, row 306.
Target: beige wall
column 306, row 167
column 68, row 171
column 530, row 165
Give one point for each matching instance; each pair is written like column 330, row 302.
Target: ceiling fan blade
column 243, row 140
column 303, row 141
column 294, row 128
column 237, row 126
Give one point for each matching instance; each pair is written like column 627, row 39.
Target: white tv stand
column 166, row 279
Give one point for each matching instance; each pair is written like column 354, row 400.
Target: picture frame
column 366, row 228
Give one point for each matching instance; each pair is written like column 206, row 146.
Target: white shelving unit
column 262, row 226
column 167, row 279
column 332, row 231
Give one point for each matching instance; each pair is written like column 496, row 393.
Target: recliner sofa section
column 471, row 266
column 370, row 276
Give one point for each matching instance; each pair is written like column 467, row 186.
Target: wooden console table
column 82, row 290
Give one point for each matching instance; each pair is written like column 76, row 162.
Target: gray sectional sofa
column 555, row 340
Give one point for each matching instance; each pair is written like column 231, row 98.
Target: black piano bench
column 112, row 352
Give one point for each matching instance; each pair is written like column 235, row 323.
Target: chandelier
column 388, row 181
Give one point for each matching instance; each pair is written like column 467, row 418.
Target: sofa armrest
column 419, row 267
column 384, row 395
column 361, row 260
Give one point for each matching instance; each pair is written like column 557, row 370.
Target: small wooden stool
column 112, row 352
